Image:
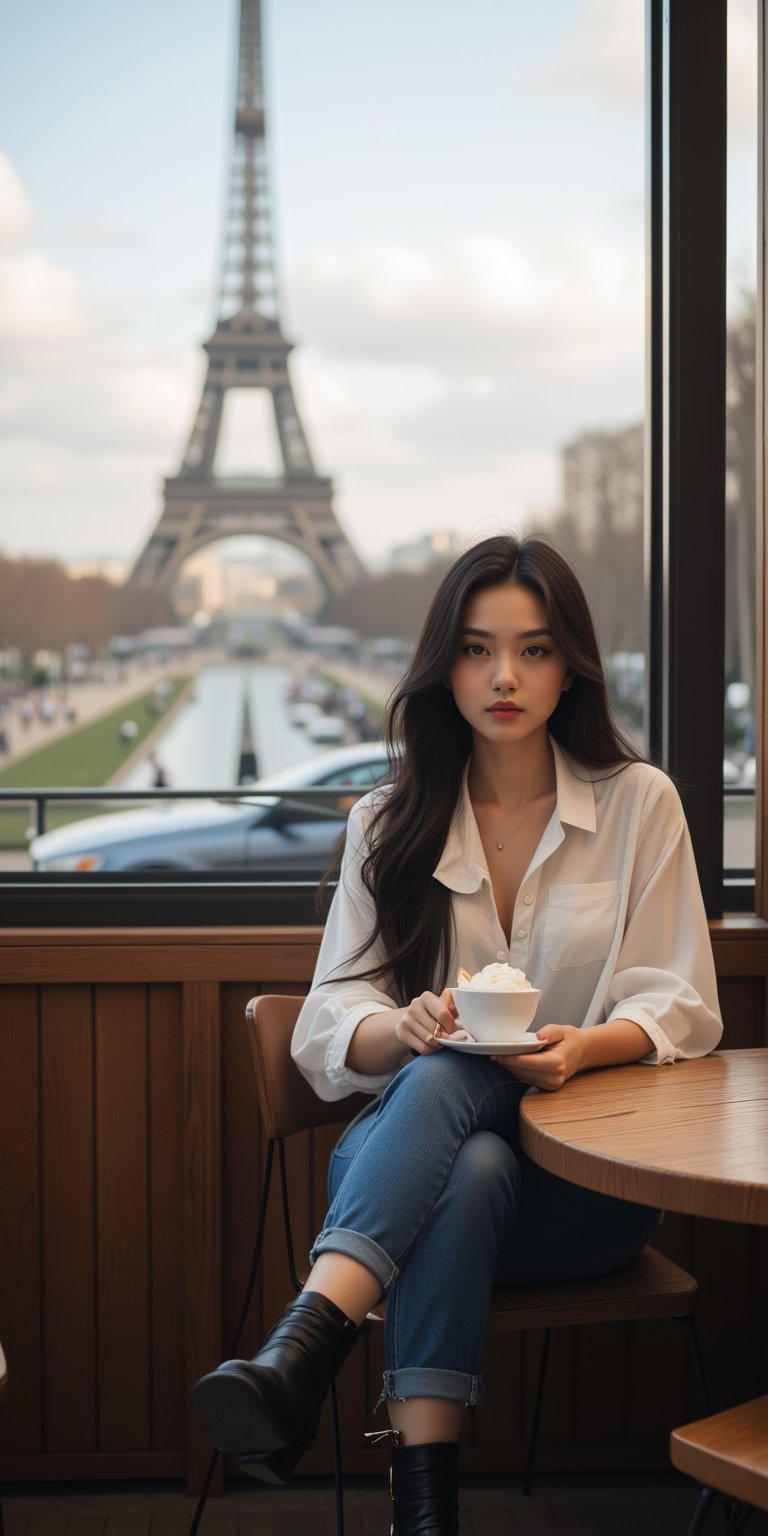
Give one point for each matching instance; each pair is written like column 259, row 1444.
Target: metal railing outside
column 337, row 798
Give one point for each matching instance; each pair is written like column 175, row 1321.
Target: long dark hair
column 429, row 743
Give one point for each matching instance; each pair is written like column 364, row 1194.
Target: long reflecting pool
column 201, row 748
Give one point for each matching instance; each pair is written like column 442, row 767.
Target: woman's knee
column 445, row 1077
column 486, row 1172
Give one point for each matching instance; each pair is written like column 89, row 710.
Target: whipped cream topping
column 498, row 978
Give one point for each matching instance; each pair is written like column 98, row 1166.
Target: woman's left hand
column 550, row 1068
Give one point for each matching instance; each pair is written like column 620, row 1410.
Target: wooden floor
column 489, row 1507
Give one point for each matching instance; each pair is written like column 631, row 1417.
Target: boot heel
column 232, row 1414
column 278, row 1467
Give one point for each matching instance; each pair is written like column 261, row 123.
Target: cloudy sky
column 459, row 206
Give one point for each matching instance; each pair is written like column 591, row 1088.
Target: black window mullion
column 689, row 285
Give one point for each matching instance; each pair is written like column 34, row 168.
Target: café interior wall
column 131, row 1155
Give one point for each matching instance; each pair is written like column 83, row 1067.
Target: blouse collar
column 463, row 866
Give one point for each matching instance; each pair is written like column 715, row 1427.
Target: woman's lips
column 505, row 709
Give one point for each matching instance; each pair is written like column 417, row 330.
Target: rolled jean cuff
column 425, row 1381
column 356, row 1246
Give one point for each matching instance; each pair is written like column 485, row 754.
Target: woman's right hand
column 420, row 1025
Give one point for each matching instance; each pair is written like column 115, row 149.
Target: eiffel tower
column 248, row 351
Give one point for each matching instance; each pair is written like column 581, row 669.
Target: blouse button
column 522, row 933
column 501, row 954
column 528, row 900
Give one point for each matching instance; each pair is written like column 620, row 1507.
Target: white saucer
column 494, row 1048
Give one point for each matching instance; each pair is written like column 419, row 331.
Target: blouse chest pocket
column 580, row 923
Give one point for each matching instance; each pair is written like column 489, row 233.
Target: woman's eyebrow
column 525, row 634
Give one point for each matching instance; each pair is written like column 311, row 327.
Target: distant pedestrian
column 160, row 775
column 5, row 743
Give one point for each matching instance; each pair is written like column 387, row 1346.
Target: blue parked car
column 261, row 833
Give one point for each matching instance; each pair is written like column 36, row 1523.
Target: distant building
column 111, row 570
column 430, row 549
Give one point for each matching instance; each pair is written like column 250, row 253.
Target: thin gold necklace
column 501, row 846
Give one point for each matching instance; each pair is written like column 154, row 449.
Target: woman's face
column 508, row 675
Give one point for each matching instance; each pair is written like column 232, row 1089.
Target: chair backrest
column 288, row 1104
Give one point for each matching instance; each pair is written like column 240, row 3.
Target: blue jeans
column 431, row 1191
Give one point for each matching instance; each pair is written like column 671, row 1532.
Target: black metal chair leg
column 534, row 1435
column 204, row 1492
column 698, row 1360
column 704, row 1503
column 741, row 1514
column 337, row 1473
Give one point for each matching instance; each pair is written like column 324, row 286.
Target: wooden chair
column 727, row 1453
column 651, row 1287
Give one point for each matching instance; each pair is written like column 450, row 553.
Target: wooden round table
column 692, row 1137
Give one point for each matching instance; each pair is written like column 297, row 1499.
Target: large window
column 469, row 245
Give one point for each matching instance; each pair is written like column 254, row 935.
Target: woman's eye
column 535, row 651
column 475, row 649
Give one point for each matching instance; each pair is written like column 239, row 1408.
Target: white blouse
column 609, row 923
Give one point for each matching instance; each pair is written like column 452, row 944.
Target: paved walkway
column 89, row 700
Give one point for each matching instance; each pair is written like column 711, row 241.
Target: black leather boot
column 253, row 1407
column 425, row 1490
column 277, row 1467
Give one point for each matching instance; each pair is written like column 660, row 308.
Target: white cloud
column 487, row 307
column 40, row 303
column 106, row 235
column 91, row 417
column 15, row 206
column 742, row 75
column 602, row 53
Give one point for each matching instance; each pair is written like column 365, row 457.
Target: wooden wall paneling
column 122, row 1216
column 742, row 1003
column 166, row 1217
column 20, row 1219
column 721, row 1255
column 71, row 1321
column 493, row 1431
column 657, row 1385
column 104, row 955
column 739, row 945
column 242, row 1168
column 758, row 1313
column 601, row 1359
column 202, row 1203
column 185, row 1025
column 498, row 1421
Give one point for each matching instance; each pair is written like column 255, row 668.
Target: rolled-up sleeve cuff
column 336, row 1069
column 664, row 1052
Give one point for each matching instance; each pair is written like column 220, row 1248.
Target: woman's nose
column 506, row 674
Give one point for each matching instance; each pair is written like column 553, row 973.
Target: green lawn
column 87, row 755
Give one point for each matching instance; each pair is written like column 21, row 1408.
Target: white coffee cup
column 492, row 1015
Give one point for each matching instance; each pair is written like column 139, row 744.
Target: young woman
column 518, row 827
